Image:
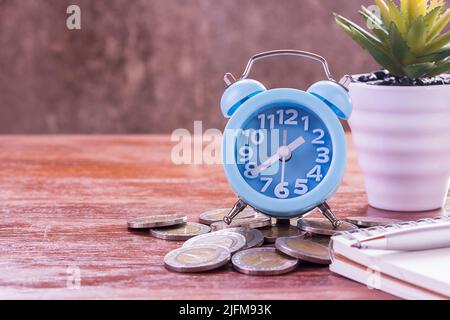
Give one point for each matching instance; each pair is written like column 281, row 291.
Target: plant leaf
column 405, row 10
column 399, row 47
column 384, row 10
column 417, row 36
column 406, row 40
column 353, row 25
column 371, row 44
column 435, row 3
column 416, row 71
column 373, row 16
column 439, row 69
column 435, row 56
column 412, row 9
column 438, row 43
column 417, row 8
column 377, row 27
column 396, row 16
column 422, row 6
column 439, row 25
column 431, row 17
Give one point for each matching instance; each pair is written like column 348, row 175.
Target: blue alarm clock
column 284, row 150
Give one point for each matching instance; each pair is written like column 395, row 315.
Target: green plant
column 408, row 40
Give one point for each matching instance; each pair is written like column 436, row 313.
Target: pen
column 415, row 239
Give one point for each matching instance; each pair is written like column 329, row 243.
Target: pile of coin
column 212, row 244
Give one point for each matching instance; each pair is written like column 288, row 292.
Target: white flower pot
column 402, row 136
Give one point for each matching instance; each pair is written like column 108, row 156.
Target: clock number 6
column 282, row 191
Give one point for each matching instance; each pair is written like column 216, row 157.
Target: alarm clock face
column 284, row 151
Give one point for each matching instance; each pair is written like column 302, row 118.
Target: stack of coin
column 173, row 227
column 240, row 242
column 163, row 220
column 197, row 259
column 263, row 262
column 217, row 215
column 309, row 243
column 180, row 232
column 369, row 222
column 305, row 248
column 253, row 237
column 231, row 240
column 321, row 226
column 273, row 232
column 258, row 221
column 205, row 252
column 240, row 235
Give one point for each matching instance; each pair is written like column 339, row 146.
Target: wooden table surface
column 65, row 201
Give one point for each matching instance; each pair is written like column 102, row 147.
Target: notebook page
column 428, row 269
column 386, row 284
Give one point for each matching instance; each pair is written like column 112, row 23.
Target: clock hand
column 283, row 166
column 273, row 159
column 283, row 159
column 266, row 164
column 297, row 143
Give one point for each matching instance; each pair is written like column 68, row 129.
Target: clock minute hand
column 297, row 143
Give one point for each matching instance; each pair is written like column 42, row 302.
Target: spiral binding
column 370, row 232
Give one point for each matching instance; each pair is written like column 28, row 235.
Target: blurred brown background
column 150, row 66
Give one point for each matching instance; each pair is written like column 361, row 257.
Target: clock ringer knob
column 238, row 93
column 335, row 96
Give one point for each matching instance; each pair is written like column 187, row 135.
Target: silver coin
column 197, row 259
column 323, row 240
column 263, row 262
column 259, row 221
column 279, row 231
column 305, row 249
column 253, row 237
column 212, row 216
column 180, row 232
column 369, row 222
column 322, row 226
column 231, row 240
column 162, row 220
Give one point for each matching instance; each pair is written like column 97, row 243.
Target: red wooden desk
column 65, row 201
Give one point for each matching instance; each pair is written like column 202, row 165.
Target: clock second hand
column 283, row 159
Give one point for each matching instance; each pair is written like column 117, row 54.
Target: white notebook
column 408, row 275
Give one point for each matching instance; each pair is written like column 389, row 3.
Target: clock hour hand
column 266, row 164
column 297, row 143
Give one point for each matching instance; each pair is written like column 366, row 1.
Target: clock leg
column 238, row 207
column 326, row 211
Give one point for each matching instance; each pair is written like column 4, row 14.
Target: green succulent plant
column 408, row 40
